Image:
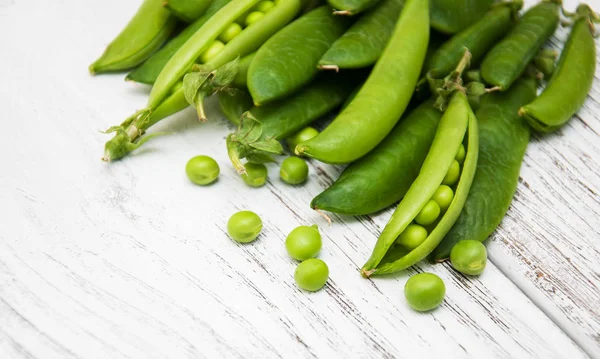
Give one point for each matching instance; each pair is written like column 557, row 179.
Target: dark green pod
column 382, row 177
column 234, row 103
column 478, row 38
column 508, row 60
column 151, row 68
column 452, row 16
column 288, row 60
column 365, row 40
column 351, row 7
column 571, row 82
column 503, row 139
column 187, row 10
column 241, row 78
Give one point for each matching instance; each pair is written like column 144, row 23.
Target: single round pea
column 265, row 6
column 428, row 214
column 443, row 196
column 244, row 226
column 453, row 174
column 256, row 174
column 294, row 170
column 412, row 237
column 303, row 135
column 230, row 32
column 469, row 257
column 253, row 17
column 304, row 242
column 202, row 170
column 424, row 291
column 312, row 274
column 212, row 51
column 461, row 154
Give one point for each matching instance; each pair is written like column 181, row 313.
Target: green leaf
column 193, row 83
column 250, row 129
column 269, row 146
column 258, row 157
column 225, row 74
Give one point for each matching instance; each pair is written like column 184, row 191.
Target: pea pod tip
column 343, row 12
column 335, row 68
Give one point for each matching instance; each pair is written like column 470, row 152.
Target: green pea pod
column 151, row 68
column 364, row 42
column 288, row 60
column 351, row 7
column 383, row 98
column 280, row 119
column 234, row 103
column 187, row 10
column 571, row 82
column 149, row 28
column 453, row 16
column 508, row 60
column 241, row 78
column 478, row 38
column 503, row 139
column 383, row 177
column 457, row 122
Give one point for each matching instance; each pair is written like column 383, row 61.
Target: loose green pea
column 294, row 170
column 453, row 174
column 212, row 51
column 429, row 214
column 461, row 154
column 253, row 17
column 230, row 32
column 412, row 237
column 424, row 291
column 265, row 6
column 304, row 242
column 304, row 134
column 244, row 226
column 256, row 174
column 202, row 170
column 312, row 274
column 443, row 196
column 469, row 257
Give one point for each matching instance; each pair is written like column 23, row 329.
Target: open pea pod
column 415, row 228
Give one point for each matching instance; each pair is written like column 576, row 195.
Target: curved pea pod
column 452, row 16
column 289, row 59
column 351, row 7
column 458, row 122
column 383, row 177
column 151, row 68
column 503, row 139
column 383, row 98
column 571, row 82
column 478, row 38
column 234, row 103
column 365, row 40
column 187, row 10
column 149, row 28
column 508, row 60
column 280, row 119
column 241, row 78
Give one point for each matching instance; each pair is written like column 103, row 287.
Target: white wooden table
column 131, row 260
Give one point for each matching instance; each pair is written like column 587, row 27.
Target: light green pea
column 424, row 291
column 256, row 174
column 294, row 170
column 304, row 242
column 212, row 51
column 469, row 257
column 265, row 6
column 303, row 135
column 429, row 214
column 202, row 170
column 244, row 226
column 443, row 196
column 453, row 174
column 253, row 17
column 312, row 274
column 461, row 154
column 412, row 237
column 230, row 32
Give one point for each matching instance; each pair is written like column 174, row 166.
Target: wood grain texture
column 130, row 260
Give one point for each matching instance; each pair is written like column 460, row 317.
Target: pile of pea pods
column 433, row 103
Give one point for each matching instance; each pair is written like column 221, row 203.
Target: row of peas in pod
column 431, row 105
